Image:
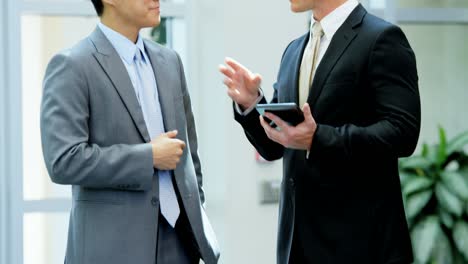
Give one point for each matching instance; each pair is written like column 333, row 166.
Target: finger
column 307, row 113
column 180, row 143
column 171, row 134
column 265, row 126
column 272, row 133
column 226, row 71
column 228, row 82
column 230, row 85
column 233, row 93
column 278, row 121
column 235, row 65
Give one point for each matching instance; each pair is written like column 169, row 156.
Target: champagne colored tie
column 309, row 63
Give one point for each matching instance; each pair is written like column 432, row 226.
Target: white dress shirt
column 330, row 24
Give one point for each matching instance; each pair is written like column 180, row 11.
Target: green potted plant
column 435, row 192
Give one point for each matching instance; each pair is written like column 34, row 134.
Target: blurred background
column 241, row 189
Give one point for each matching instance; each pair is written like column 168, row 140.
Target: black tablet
column 289, row 112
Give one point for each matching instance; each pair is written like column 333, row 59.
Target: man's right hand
column 243, row 85
column 167, row 151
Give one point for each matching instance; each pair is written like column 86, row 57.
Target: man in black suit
column 355, row 77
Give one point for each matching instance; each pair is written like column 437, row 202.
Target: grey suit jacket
column 94, row 138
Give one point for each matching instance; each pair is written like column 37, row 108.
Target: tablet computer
column 289, row 112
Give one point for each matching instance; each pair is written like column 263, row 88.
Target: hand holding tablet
column 289, row 112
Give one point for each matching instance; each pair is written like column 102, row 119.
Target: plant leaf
column 406, row 177
column 460, row 237
column 425, row 150
column 448, row 200
column 416, row 202
column 457, row 143
column 455, row 183
column 417, row 184
column 415, row 162
column 446, row 218
column 424, row 237
column 442, row 148
column 432, row 152
column 442, row 252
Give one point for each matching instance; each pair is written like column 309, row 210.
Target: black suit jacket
column 343, row 204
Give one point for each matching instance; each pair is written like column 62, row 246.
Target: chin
column 296, row 9
column 154, row 22
column 299, row 8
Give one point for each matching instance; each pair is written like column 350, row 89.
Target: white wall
column 255, row 33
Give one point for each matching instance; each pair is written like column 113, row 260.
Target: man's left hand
column 294, row 137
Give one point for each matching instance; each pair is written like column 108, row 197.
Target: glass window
column 377, row 4
column 441, row 56
column 45, row 238
column 171, row 33
column 42, row 37
column 433, row 3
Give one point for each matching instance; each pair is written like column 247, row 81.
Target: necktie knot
column 138, row 56
column 317, row 30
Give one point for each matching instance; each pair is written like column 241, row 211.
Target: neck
column 123, row 27
column 323, row 8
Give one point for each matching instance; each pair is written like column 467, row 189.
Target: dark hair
column 98, row 6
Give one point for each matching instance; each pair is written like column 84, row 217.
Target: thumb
column 307, row 113
column 257, row 79
column 171, row 134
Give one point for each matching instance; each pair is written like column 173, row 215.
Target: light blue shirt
column 126, row 50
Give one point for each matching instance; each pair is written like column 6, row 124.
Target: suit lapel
column 112, row 64
column 339, row 43
column 166, row 96
column 296, row 70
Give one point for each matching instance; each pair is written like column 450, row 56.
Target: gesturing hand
column 167, row 151
column 242, row 84
column 298, row 137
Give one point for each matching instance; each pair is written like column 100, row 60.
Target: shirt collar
column 333, row 21
column 124, row 47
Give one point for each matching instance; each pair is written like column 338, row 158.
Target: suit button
column 154, row 201
column 292, row 182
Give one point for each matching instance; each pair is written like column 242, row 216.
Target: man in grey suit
column 117, row 125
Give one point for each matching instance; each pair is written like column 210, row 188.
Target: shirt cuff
column 252, row 107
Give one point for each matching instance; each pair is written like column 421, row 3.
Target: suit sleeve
column 70, row 158
column 255, row 133
column 191, row 132
column 393, row 80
